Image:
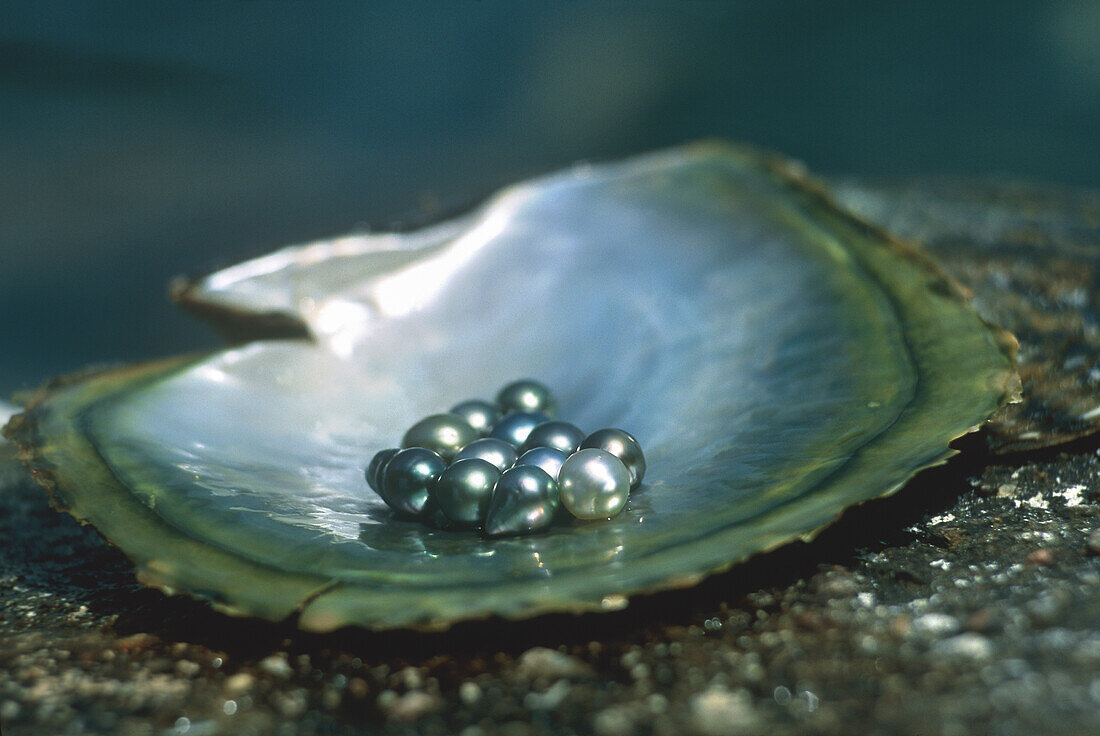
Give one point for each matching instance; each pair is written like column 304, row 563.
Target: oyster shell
column 778, row 359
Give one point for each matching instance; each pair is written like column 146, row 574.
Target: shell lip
column 235, row 324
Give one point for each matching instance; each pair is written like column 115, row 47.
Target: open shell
column 778, row 360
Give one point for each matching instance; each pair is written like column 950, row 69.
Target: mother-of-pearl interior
column 735, row 351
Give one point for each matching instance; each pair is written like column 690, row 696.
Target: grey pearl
column 622, row 445
column 513, row 428
column 594, row 484
column 377, row 465
column 547, row 458
column 481, row 415
column 527, row 395
column 498, row 452
column 559, row 435
column 444, row 434
column 524, row 501
column 408, row 479
column 464, row 489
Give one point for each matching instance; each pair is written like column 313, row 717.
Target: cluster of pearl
column 507, row 467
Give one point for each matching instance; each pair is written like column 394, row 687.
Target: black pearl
column 513, row 428
column 481, row 415
column 547, row 458
column 524, row 501
column 444, row 434
column 464, row 489
column 594, row 484
column 622, row 445
column 408, row 479
column 527, row 395
column 559, row 435
column 377, row 465
column 498, row 452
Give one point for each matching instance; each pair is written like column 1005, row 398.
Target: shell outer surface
column 778, row 359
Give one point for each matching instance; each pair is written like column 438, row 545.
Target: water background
column 147, row 139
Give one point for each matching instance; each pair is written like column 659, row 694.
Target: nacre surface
column 778, row 359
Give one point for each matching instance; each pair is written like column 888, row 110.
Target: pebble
column 1041, row 558
column 1093, row 543
column 719, row 712
column 10, row 710
column 551, row 664
column 276, row 665
column 548, row 700
column 292, row 704
column 410, row 707
column 240, row 682
column 969, row 646
column 614, row 721
column 469, row 692
column 187, row 668
column 936, row 624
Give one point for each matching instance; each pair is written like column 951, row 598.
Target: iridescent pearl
column 513, row 428
column 559, row 435
column 498, row 452
column 464, row 489
column 622, row 445
column 444, row 434
column 547, row 458
column 594, row 484
column 408, row 478
column 377, row 465
column 481, row 415
column 527, row 395
column 524, row 501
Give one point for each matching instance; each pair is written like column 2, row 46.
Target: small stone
column 1041, row 558
column 614, row 721
column 9, row 710
column 968, row 646
column 719, row 712
column 292, row 704
column 187, row 668
column 358, row 687
column 548, row 700
column 551, row 664
column 1093, row 543
column 241, row 682
column 936, row 624
column 410, row 707
column 469, row 692
column 411, row 678
column 276, row 665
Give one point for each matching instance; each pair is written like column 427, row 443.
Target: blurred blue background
column 143, row 140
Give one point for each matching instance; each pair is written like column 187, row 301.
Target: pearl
column 594, row 484
column 524, row 501
column 444, row 434
column 498, row 452
column 559, row 435
column 547, row 458
column 481, row 415
column 464, row 489
column 622, row 445
column 527, row 395
column 377, row 465
column 408, row 479
column 513, row 428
